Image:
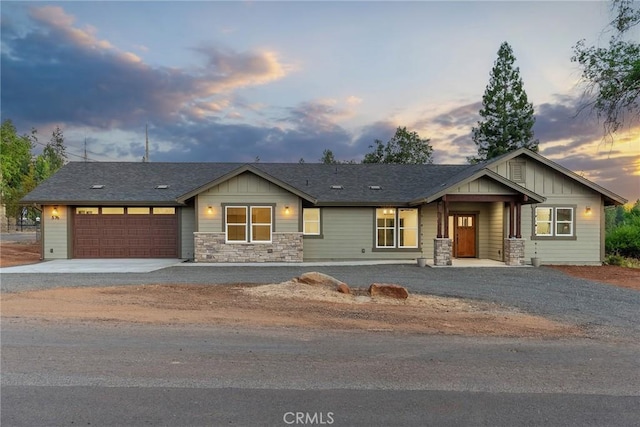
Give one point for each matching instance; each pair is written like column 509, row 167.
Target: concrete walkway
column 149, row 265
column 94, row 266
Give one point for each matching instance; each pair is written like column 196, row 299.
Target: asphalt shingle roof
column 135, row 183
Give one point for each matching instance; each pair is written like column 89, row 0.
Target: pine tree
column 507, row 115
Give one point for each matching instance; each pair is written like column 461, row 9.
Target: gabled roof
column 473, row 174
column 319, row 184
column 610, row 197
column 239, row 171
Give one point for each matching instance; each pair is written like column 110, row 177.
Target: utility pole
column 146, row 147
column 85, row 148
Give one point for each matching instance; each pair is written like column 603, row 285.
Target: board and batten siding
column 348, row 234
column 246, row 189
column 55, row 232
column 483, row 185
column 497, row 222
column 187, row 227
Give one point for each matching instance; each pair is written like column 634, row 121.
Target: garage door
column 119, row 232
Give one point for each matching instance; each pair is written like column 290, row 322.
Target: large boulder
column 321, row 279
column 388, row 290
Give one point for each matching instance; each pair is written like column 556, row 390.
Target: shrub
column 624, row 240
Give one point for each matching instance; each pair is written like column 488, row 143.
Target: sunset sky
column 232, row 81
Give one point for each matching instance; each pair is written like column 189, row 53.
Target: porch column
column 519, row 220
column 446, row 217
column 511, row 218
column 439, row 208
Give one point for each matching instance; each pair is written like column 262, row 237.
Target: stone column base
column 442, row 251
column 514, row 251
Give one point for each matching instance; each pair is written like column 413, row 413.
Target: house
column 507, row 209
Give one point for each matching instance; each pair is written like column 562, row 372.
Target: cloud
column 58, row 72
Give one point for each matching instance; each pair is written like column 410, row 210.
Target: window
column 112, row 211
column 311, row 221
column 391, row 222
column 138, row 211
column 408, row 228
column 260, row 224
column 164, row 211
column 87, row 211
column 385, row 228
column 242, row 228
column 554, row 222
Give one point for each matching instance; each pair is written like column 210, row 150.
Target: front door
column 464, row 229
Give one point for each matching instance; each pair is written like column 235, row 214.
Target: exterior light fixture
column 54, row 213
column 286, row 210
column 587, row 210
column 210, row 210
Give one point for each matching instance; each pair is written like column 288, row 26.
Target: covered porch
column 479, row 227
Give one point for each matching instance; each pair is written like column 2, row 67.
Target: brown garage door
column 112, row 232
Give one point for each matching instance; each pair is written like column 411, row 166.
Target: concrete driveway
column 94, row 266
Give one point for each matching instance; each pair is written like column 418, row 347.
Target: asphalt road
column 70, row 374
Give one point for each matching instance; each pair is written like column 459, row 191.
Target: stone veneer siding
column 442, row 251
column 514, row 251
column 284, row 247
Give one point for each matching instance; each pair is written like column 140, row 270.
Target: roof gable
column 609, row 197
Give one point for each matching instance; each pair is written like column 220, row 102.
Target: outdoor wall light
column 587, row 210
column 286, row 210
column 54, row 213
column 210, row 210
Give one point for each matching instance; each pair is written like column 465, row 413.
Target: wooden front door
column 464, row 226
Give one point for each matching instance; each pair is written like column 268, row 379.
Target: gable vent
column 375, row 187
column 162, row 187
column 97, row 186
column 337, row 187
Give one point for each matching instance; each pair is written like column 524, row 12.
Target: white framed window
column 261, row 224
column 311, row 221
column 564, row 221
column 408, row 228
column 396, row 228
column 246, row 224
column 385, row 228
column 236, row 223
column 544, row 222
column 554, row 221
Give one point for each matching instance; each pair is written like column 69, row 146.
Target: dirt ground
column 12, row 253
column 288, row 304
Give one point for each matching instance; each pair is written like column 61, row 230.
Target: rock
column 387, row 290
column 315, row 278
column 343, row 288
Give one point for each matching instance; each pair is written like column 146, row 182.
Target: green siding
column 585, row 249
column 497, row 221
column 346, row 232
column 187, row 227
column 56, row 233
column 483, row 185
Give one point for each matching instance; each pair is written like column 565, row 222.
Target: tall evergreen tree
column 507, row 115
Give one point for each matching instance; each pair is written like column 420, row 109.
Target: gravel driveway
column 611, row 311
